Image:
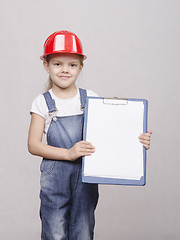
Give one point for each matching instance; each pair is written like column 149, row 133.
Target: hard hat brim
column 43, row 57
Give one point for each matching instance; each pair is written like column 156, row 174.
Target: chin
column 64, row 86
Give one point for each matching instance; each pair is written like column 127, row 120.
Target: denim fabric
column 67, row 205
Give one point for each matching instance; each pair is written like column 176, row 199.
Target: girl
column 67, row 205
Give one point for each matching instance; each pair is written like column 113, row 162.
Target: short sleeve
column 39, row 106
column 91, row 94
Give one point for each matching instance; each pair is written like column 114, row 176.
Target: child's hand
column 145, row 139
column 82, row 148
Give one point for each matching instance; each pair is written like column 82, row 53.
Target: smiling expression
column 63, row 69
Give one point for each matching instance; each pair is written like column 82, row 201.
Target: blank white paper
column 114, row 131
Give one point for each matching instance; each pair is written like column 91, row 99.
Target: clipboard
column 113, row 125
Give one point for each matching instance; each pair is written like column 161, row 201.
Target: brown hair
column 50, row 83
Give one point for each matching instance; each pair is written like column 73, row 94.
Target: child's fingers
column 86, row 144
column 81, row 148
column 145, row 136
column 149, row 131
column 86, row 152
column 86, row 148
column 146, row 146
column 145, row 142
column 145, row 139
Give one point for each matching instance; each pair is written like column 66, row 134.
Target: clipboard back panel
column 114, row 129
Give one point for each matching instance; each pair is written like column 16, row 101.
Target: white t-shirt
column 65, row 107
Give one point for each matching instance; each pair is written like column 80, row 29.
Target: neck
column 65, row 92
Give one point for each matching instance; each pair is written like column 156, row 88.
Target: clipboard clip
column 115, row 101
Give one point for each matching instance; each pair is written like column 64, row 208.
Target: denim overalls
column 67, row 205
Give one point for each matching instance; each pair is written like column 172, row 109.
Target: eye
column 57, row 64
column 73, row 65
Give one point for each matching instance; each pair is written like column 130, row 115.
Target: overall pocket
column 47, row 166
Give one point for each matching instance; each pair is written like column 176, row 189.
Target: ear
column 81, row 67
column 46, row 65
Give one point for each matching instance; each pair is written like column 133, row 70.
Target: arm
column 36, row 147
column 145, row 139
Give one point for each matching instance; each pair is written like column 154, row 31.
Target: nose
column 65, row 69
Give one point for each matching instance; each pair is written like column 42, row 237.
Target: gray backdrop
column 133, row 51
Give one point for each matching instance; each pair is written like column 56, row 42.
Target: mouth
column 64, row 77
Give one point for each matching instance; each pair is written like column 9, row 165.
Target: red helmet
column 62, row 42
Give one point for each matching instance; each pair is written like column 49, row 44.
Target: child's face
column 63, row 69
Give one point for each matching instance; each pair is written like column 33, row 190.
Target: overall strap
column 50, row 102
column 83, row 95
